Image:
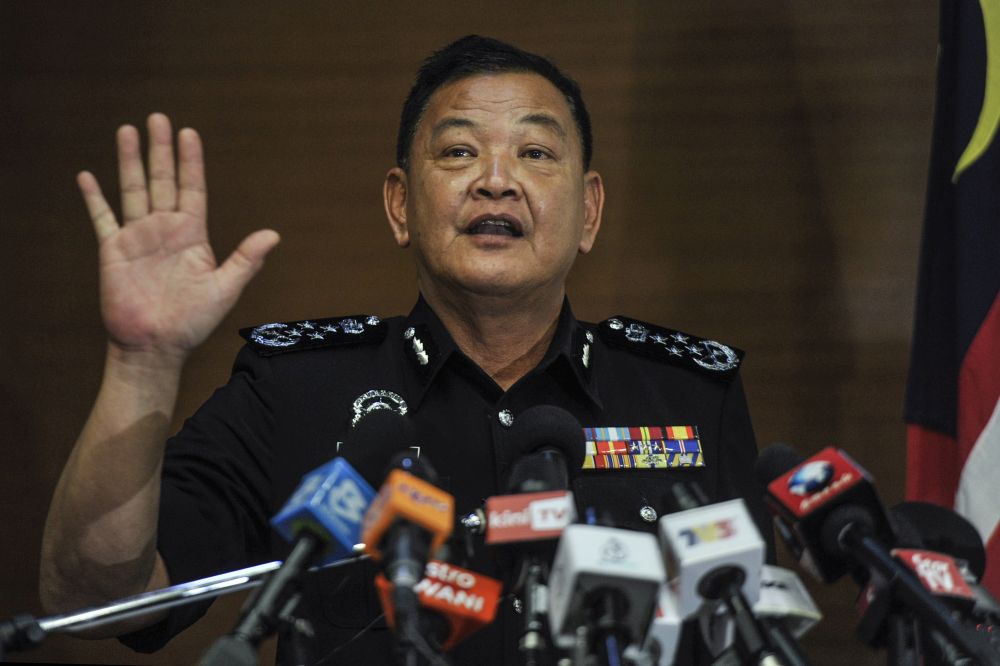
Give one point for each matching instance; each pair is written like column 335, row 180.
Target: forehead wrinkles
column 529, row 98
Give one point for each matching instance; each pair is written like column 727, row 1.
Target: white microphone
column 607, row 580
column 702, row 541
column 784, row 607
column 665, row 630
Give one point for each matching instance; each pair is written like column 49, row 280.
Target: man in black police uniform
column 494, row 195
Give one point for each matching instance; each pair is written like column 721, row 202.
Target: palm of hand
column 161, row 287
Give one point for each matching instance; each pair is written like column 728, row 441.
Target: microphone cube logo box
column 331, row 501
column 528, row 516
column 700, row 540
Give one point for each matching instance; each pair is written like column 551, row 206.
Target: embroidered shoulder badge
column 278, row 338
column 682, row 349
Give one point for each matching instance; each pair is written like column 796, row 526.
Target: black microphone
column 527, row 521
column 950, row 536
column 829, row 513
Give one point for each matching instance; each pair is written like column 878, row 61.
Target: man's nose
column 497, row 180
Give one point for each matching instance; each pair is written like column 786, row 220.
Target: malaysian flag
column 952, row 408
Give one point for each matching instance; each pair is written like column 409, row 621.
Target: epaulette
column 281, row 337
column 707, row 356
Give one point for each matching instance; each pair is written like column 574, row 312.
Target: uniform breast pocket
column 632, row 499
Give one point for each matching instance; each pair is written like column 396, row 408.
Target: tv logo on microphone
column 937, row 572
column 708, row 532
column 528, row 516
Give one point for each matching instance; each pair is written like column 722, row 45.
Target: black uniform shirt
column 296, row 388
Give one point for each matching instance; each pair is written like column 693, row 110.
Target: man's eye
column 458, row 152
column 536, row 154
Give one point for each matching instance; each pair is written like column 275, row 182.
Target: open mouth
column 500, row 225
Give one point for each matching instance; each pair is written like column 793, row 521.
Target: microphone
column 785, row 611
column 803, row 495
column 701, row 540
column 955, row 539
column 664, row 634
column 323, row 520
column 828, row 510
column 526, row 522
column 607, row 580
column 462, row 601
column 409, row 519
column 714, row 553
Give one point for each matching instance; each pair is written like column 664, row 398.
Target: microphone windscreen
column 379, row 435
column 945, row 531
column 774, row 461
column 907, row 535
column 549, row 427
column 545, row 470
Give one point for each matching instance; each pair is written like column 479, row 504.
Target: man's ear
column 394, row 198
column 593, row 208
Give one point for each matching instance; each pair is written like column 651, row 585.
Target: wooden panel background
column 765, row 162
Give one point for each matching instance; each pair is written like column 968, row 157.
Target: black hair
column 472, row 55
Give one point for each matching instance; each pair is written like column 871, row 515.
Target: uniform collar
column 428, row 346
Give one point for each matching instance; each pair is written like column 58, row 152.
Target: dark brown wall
column 765, row 163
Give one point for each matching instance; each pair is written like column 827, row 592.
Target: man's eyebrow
column 545, row 120
column 449, row 123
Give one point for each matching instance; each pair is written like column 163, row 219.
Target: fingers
column 193, row 198
column 100, row 212
column 247, row 259
column 162, row 177
column 132, row 178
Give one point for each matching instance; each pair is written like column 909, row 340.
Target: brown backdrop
column 765, row 163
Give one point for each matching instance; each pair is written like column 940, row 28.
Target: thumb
column 247, row 259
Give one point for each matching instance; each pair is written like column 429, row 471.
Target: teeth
column 483, row 226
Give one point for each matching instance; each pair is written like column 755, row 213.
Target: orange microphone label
column 406, row 497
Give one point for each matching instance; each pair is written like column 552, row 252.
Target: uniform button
column 506, row 418
column 648, row 514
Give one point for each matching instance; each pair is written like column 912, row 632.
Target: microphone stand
column 532, row 642
column 24, row 631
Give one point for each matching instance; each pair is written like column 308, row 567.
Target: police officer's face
column 495, row 201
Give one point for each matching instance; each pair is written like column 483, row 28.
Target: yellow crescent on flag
column 989, row 115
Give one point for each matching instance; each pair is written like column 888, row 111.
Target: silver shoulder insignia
column 281, row 337
column 672, row 346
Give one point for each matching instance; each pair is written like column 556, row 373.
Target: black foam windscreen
column 774, row 461
column 549, row 427
column 942, row 530
column 377, row 438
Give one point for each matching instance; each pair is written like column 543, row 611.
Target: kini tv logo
column 717, row 530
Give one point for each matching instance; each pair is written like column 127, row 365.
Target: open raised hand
column 162, row 290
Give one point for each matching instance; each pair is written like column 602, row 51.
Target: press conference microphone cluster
column 827, row 511
column 323, row 520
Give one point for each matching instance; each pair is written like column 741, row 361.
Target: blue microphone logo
column 331, row 501
column 811, row 478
